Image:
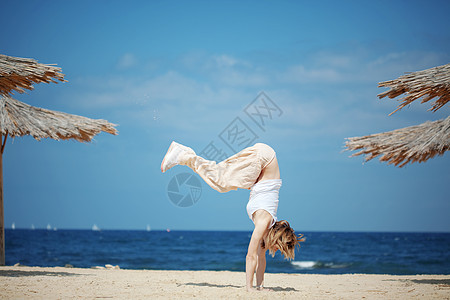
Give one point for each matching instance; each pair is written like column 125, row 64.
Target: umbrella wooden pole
column 2, row 221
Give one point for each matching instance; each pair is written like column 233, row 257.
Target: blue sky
column 184, row 70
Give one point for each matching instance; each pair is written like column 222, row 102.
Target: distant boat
column 95, row 228
column 32, row 227
column 49, row 227
column 13, row 226
column 148, row 227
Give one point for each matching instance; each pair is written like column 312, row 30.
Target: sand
column 66, row 283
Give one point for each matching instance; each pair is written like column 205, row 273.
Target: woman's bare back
column 272, row 171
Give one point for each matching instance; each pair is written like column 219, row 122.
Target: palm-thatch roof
column 18, row 119
column 426, row 84
column 416, row 143
column 18, row 74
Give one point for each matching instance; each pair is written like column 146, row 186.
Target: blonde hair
column 282, row 237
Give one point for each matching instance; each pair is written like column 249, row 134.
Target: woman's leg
column 238, row 171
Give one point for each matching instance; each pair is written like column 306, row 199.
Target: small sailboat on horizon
column 95, row 228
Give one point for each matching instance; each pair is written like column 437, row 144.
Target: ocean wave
column 304, row 264
column 317, row 265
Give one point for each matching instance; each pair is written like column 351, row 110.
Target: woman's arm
column 261, row 267
column 252, row 256
column 261, row 224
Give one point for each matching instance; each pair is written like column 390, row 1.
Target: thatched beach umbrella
column 18, row 118
column 18, row 74
column 426, row 84
column 416, row 143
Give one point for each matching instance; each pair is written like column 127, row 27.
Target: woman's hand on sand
column 259, row 289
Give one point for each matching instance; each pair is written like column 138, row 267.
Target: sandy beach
column 64, row 283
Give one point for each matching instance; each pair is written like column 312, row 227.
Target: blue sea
column 322, row 253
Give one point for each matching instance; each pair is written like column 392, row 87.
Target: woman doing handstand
column 254, row 168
